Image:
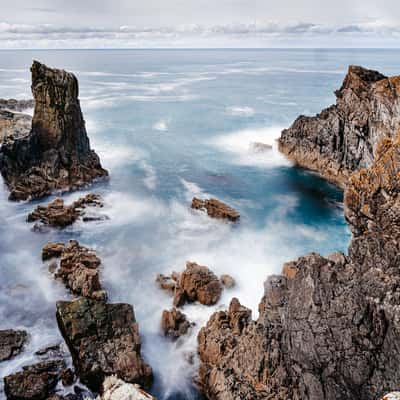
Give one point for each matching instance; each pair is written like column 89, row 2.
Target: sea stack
column 343, row 138
column 56, row 154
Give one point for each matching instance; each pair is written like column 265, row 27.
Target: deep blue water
column 170, row 124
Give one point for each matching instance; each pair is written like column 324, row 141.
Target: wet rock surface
column 57, row 214
column 197, row 283
column 216, row 209
column 103, row 340
column 174, row 323
column 11, row 343
column 16, row 105
column 14, row 125
column 117, row 389
column 328, row 328
column 344, row 137
column 78, row 268
column 56, row 154
column 166, row 283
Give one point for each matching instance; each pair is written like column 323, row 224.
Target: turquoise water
column 170, row 125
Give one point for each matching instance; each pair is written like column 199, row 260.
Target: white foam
column 161, row 125
column 240, row 111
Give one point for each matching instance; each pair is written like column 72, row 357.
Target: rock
column 174, row 323
column 166, row 283
column 216, row 209
column 78, row 269
column 56, row 214
column 197, row 283
column 392, row 396
column 34, row 382
column 117, row 389
column 56, row 154
column 103, row 340
column 14, row 125
column 227, row 281
column 329, row 327
column 258, row 147
column 11, row 343
column 343, row 138
column 67, row 377
column 16, row 105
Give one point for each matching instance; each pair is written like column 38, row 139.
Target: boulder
column 16, row 105
column 103, row 340
column 56, row 154
column 197, row 283
column 216, row 209
column 117, row 389
column 14, row 125
column 227, row 281
column 174, row 323
column 11, row 343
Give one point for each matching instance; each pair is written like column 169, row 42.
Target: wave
column 240, row 111
column 161, row 125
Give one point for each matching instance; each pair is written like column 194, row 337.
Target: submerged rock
column 329, row 327
column 258, row 147
column 103, row 340
column 227, row 281
column 216, row 209
column 197, row 283
column 56, row 154
column 344, row 137
column 11, row 343
column 117, row 389
column 78, row 269
column 34, row 382
column 174, row 323
column 57, row 214
column 166, row 283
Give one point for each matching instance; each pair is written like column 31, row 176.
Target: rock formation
column 344, row 137
column 15, row 125
column 57, row 214
column 167, row 283
column 11, row 343
column 16, row 105
column 117, row 389
column 197, row 283
column 227, row 281
column 103, row 340
column 174, row 323
column 56, row 155
column 329, row 327
column 216, row 209
column 78, row 268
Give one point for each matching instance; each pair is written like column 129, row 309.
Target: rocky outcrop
column 103, row 340
column 197, row 283
column 174, row 323
column 57, row 214
column 167, row 283
column 216, row 209
column 329, row 327
column 227, row 281
column 117, row 389
column 78, row 268
column 34, row 382
column 16, row 105
column 11, row 343
column 344, row 137
column 14, row 125
column 56, row 155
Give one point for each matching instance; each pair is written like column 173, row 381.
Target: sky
column 199, row 23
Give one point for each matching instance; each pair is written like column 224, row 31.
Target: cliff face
column 329, row 328
column 344, row 137
column 56, row 154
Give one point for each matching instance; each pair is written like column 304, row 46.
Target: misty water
column 169, row 125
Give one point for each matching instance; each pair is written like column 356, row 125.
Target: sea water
column 170, row 125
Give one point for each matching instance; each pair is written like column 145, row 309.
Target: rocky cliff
column 56, row 155
column 344, row 137
column 329, row 327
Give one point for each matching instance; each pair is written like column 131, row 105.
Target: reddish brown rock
column 216, row 209
column 166, row 283
column 11, row 343
column 227, row 281
column 174, row 323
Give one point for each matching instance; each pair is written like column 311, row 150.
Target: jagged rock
column 11, row 343
column 56, row 214
column 56, row 154
column 197, row 283
column 227, row 281
column 215, row 209
column 34, row 382
column 103, row 340
column 258, row 147
column 16, row 105
column 117, row 389
column 343, row 137
column 166, row 283
column 329, row 327
column 78, row 269
column 174, row 323
column 14, row 125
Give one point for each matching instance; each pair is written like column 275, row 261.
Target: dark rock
column 14, row 125
column 343, row 138
column 103, row 340
column 56, row 155
column 197, row 283
column 34, row 382
column 216, row 209
column 56, row 214
column 11, row 343
column 67, row 377
column 174, row 323
column 78, row 269
column 227, row 281
column 16, row 105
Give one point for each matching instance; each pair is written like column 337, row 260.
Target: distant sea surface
column 170, row 125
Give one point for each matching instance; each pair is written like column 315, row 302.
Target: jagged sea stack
column 344, row 137
column 56, row 155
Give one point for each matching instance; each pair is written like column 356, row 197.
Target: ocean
column 170, row 125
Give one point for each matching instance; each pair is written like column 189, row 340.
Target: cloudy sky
column 199, row 23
